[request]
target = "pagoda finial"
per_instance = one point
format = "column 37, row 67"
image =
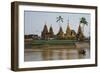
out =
column 68, row 21
column 51, row 25
column 45, row 22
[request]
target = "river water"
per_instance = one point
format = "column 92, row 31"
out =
column 44, row 54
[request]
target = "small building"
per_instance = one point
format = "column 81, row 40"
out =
column 28, row 36
column 35, row 37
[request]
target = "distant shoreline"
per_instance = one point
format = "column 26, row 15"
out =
column 55, row 44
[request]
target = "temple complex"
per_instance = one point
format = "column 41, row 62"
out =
column 68, row 35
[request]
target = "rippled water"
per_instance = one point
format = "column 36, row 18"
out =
column 42, row 54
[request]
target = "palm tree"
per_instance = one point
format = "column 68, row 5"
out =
column 83, row 22
column 59, row 19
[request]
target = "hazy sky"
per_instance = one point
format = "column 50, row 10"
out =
column 35, row 21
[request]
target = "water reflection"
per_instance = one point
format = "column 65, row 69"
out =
column 41, row 54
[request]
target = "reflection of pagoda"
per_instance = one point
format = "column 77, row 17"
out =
column 69, row 34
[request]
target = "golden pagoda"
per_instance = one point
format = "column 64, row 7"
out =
column 68, row 32
column 60, row 34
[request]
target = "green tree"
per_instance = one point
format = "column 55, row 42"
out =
column 83, row 22
column 59, row 20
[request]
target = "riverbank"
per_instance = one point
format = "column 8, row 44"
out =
column 55, row 44
column 76, row 46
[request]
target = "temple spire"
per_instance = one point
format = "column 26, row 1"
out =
column 45, row 22
column 80, row 34
column 51, row 33
column 44, row 32
column 60, row 33
column 68, row 30
column 68, row 21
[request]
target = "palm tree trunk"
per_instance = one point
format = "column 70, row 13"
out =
column 82, row 26
column 83, row 29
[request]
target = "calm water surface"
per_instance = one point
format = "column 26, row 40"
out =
column 42, row 54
